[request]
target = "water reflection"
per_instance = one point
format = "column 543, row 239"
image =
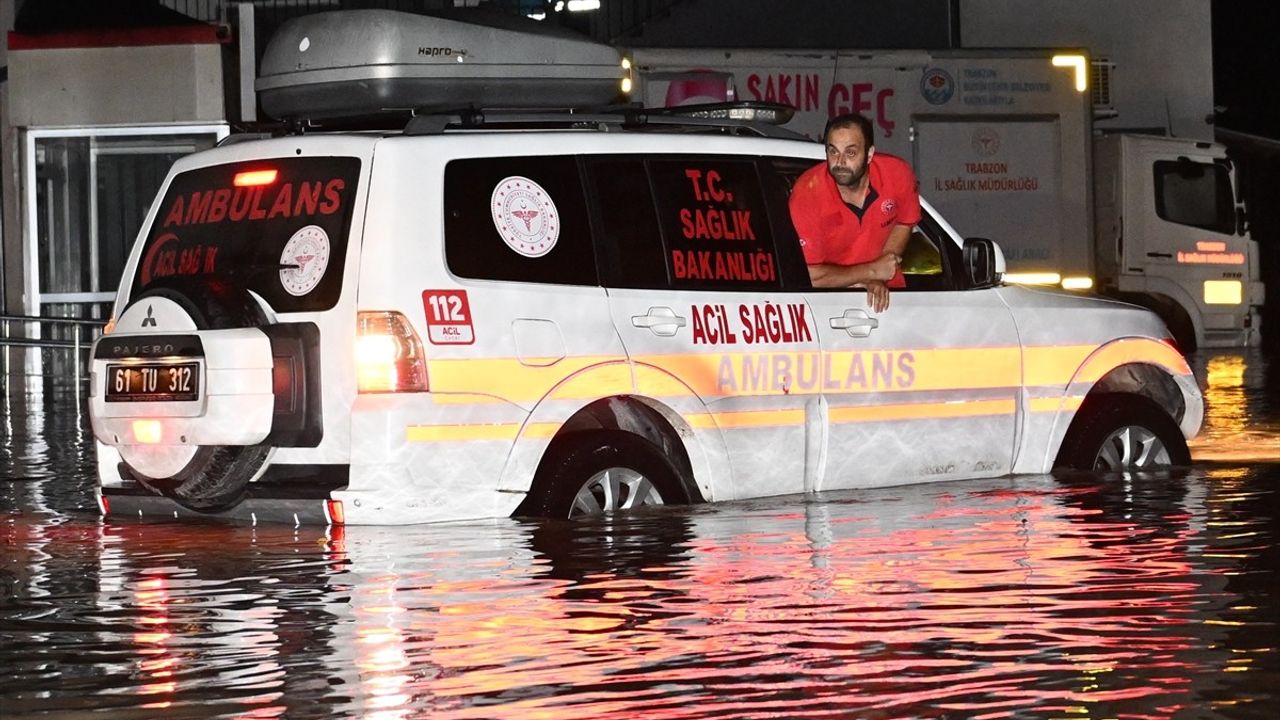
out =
column 1076, row 596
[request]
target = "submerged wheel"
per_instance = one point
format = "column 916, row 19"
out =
column 208, row 478
column 595, row 473
column 1119, row 432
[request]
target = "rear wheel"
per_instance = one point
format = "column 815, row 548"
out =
column 599, row 473
column 1119, row 432
column 216, row 477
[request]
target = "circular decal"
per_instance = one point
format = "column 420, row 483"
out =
column 525, row 216
column 888, row 206
column 986, row 141
column 937, row 86
column 304, row 260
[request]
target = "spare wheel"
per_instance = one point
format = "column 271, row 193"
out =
column 210, row 448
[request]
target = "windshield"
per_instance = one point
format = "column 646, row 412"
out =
column 277, row 227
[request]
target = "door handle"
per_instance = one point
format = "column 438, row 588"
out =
column 855, row 322
column 661, row 320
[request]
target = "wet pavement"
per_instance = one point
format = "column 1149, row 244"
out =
column 1056, row 597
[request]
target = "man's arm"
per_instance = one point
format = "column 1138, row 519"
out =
column 826, row 275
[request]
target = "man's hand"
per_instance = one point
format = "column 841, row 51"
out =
column 877, row 295
column 884, row 267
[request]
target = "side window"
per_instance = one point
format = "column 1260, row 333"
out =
column 715, row 226
column 632, row 255
column 518, row 218
column 1196, row 194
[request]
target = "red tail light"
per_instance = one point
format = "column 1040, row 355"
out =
column 250, row 178
column 104, row 505
column 333, row 508
column 389, row 355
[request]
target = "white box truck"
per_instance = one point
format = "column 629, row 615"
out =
column 1003, row 144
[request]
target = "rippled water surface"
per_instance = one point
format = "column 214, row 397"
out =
column 1079, row 597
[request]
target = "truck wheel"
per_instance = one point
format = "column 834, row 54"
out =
column 594, row 473
column 1119, row 432
column 217, row 476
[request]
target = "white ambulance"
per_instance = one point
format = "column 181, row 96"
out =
column 486, row 314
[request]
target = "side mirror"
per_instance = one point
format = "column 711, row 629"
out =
column 1242, row 221
column 984, row 265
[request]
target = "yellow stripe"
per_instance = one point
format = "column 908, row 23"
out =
column 922, row 411
column 719, row 374
column 448, row 433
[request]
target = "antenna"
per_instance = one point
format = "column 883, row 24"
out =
column 1168, row 118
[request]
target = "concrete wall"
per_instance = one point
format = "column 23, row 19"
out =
column 116, row 85
column 1162, row 49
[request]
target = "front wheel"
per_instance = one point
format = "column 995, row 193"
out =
column 1118, row 432
column 599, row 473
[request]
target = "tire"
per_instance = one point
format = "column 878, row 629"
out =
column 599, row 472
column 1121, row 432
column 217, row 477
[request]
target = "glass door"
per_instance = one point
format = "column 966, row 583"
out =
column 87, row 193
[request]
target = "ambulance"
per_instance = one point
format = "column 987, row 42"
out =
column 553, row 312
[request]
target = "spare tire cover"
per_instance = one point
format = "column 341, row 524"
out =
column 202, row 478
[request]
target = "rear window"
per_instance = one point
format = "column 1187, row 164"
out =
column 277, row 227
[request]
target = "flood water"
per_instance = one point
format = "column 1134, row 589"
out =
column 1077, row 597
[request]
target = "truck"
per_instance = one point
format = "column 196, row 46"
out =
column 1004, row 145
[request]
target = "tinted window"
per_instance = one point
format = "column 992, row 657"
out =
column 630, row 241
column 517, row 218
column 278, row 227
column 714, row 223
column 1196, row 194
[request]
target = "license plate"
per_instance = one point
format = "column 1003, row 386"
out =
column 155, row 382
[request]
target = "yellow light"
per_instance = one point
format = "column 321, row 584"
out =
column 1223, row 292
column 626, row 86
column 1077, row 283
column 146, row 432
column 626, row 63
column 1033, row 278
column 1081, row 66
column 376, row 363
column 110, row 326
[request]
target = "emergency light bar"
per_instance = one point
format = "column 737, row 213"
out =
column 744, row 111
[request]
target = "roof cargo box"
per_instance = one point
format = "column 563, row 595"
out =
column 366, row 62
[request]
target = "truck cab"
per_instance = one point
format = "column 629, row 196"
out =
column 1170, row 235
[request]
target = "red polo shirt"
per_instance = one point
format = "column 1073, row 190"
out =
column 830, row 232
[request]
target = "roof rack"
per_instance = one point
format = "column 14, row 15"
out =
column 748, row 117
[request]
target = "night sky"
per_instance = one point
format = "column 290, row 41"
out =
column 1246, row 65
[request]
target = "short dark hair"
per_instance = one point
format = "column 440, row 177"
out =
column 848, row 120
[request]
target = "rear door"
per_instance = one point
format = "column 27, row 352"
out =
column 712, row 314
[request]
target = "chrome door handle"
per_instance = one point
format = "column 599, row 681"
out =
column 661, row 320
column 856, row 322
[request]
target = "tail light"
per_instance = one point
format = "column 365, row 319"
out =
column 389, row 355
column 334, row 513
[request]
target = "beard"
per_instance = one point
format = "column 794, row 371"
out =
column 847, row 176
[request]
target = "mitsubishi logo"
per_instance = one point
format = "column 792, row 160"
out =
column 148, row 321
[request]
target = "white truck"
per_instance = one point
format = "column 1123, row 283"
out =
column 1003, row 144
